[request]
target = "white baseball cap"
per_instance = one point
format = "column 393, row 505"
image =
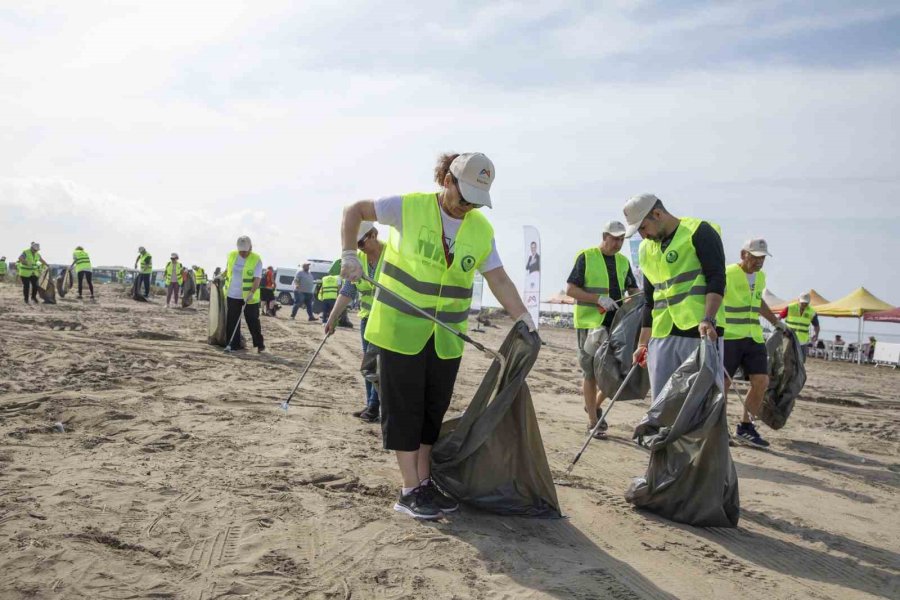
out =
column 636, row 210
column 757, row 247
column 35, row 246
column 614, row 228
column 804, row 298
column 174, row 255
column 475, row 173
column 244, row 244
column 364, row 228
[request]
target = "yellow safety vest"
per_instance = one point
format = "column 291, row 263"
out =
column 200, row 276
column 248, row 274
column 800, row 322
column 179, row 277
column 82, row 261
column 596, row 281
column 145, row 263
column 329, row 288
column 4, row 269
column 32, row 264
column 679, row 296
column 742, row 306
column 415, row 268
column 367, row 290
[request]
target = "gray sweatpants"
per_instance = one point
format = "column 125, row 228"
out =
column 664, row 355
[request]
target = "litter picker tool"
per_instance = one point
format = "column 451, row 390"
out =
column 740, row 397
column 233, row 333
column 286, row 403
column 602, row 418
column 495, row 355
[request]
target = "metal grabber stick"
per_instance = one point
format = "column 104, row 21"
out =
column 236, row 327
column 284, row 405
column 602, row 418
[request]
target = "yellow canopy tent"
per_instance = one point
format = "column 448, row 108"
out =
column 854, row 305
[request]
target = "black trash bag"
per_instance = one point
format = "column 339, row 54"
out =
column 203, row 292
column 787, row 376
column 47, row 286
column 369, row 368
column 217, row 315
column 613, row 359
column 492, row 457
column 691, row 477
column 188, row 288
column 137, row 289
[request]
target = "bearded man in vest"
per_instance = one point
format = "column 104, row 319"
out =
column 369, row 251
column 241, row 278
column 144, row 264
column 745, row 346
column 81, row 262
column 438, row 242
column 683, row 265
column 29, row 267
column 799, row 316
column 600, row 276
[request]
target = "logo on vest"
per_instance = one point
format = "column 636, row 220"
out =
column 467, row 263
column 671, row 256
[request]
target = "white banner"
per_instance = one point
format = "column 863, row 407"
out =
column 635, row 243
column 477, row 291
column 531, row 295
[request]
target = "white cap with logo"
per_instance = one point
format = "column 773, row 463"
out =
column 804, row 298
column 614, row 228
column 244, row 244
column 757, row 247
column 364, row 228
column 475, row 173
column 636, row 210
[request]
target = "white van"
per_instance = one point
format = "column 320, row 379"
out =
column 284, row 279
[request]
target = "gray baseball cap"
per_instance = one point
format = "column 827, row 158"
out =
column 475, row 173
column 614, row 228
column 636, row 210
column 757, row 247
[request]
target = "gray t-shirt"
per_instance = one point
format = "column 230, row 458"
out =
column 389, row 211
column 304, row 282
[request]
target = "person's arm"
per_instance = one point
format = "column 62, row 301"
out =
column 783, row 313
column 767, row 313
column 253, row 289
column 22, row 258
column 631, row 285
column 711, row 253
column 575, row 283
column 505, row 292
column 340, row 305
column 816, row 330
column 356, row 213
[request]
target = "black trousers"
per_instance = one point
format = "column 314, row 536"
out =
column 251, row 316
column 30, row 283
column 145, row 281
column 415, row 394
column 82, row 275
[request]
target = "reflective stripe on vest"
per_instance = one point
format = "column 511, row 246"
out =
column 4, row 269
column 247, row 275
column 800, row 322
column 179, row 277
column 415, row 268
column 742, row 307
column 679, row 297
column 200, row 276
column 365, row 289
column 82, row 261
column 329, row 290
column 32, row 263
column 596, row 281
column 145, row 263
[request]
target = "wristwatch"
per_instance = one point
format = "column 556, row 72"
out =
column 710, row 320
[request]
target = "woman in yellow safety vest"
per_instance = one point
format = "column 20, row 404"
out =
column 30, row 265
column 82, row 264
column 438, row 242
column 174, row 278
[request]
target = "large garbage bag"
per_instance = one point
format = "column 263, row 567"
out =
column 47, row 286
column 492, row 456
column 217, row 333
column 137, row 292
column 613, row 357
column 691, row 477
column 787, row 376
column 188, row 289
column 203, row 292
column 64, row 282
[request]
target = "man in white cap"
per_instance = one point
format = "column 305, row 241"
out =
column 304, row 290
column 29, row 267
column 242, row 276
column 597, row 282
column 799, row 316
column 144, row 264
column 745, row 346
column 174, row 279
column 370, row 250
column 683, row 264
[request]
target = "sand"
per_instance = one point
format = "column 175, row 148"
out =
column 177, row 476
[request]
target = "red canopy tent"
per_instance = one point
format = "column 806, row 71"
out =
column 887, row 316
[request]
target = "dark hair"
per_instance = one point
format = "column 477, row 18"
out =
column 443, row 167
column 659, row 206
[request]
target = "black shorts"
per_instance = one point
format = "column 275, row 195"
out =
column 415, row 394
column 746, row 353
column 266, row 294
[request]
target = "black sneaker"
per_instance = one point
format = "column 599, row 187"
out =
column 603, row 426
column 441, row 500
column 370, row 415
column 419, row 505
column 261, row 349
column 746, row 433
column 359, row 413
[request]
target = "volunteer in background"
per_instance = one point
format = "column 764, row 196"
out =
column 267, row 292
column 304, row 289
column 799, row 316
column 4, row 268
column 328, row 293
column 438, row 242
column 81, row 262
column 145, row 263
column 242, row 276
column 596, row 282
column 200, row 280
column 174, row 278
column 29, row 267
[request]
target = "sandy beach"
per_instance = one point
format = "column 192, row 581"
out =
column 136, row 461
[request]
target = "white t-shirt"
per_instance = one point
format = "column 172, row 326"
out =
column 751, row 281
column 389, row 211
column 235, row 284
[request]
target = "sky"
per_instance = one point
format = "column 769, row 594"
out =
column 182, row 125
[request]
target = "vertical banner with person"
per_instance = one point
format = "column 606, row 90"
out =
column 531, row 294
column 634, row 245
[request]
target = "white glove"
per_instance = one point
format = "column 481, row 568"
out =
column 351, row 268
column 525, row 317
column 606, row 303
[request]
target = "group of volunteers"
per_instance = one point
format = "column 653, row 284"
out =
column 31, row 264
column 690, row 293
column 175, row 273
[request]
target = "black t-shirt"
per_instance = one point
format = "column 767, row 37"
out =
column 708, row 244
column 577, row 278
